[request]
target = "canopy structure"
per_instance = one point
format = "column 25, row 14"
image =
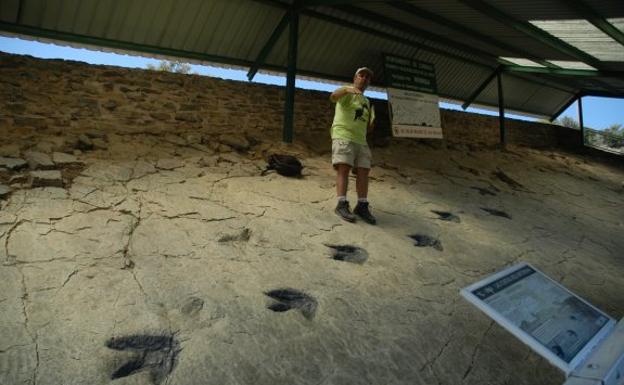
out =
column 547, row 53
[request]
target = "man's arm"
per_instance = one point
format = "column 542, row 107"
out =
column 342, row 91
column 371, row 120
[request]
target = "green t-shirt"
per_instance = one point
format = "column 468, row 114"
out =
column 351, row 118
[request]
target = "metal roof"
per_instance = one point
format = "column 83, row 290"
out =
column 465, row 39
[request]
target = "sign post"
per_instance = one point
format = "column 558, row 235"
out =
column 412, row 98
column 573, row 335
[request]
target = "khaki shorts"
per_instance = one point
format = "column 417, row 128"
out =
column 353, row 154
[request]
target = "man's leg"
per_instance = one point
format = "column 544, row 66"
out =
column 342, row 181
column 361, row 182
column 361, row 185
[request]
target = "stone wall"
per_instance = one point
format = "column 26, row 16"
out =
column 57, row 96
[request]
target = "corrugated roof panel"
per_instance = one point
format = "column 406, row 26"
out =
column 555, row 10
column 81, row 12
column 152, row 18
column 49, row 17
column 191, row 27
column 522, row 62
column 574, row 65
column 617, row 22
column 479, row 22
column 9, row 10
column 535, row 9
column 546, row 99
column 401, row 33
column 261, row 28
column 584, row 36
column 445, row 32
column 171, row 31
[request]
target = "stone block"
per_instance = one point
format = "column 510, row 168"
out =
column 100, row 144
column 188, row 117
column 10, row 150
column 61, row 158
column 39, row 160
column 13, row 163
column 4, row 190
column 36, row 122
column 84, row 143
column 160, row 116
column 237, row 142
column 51, row 178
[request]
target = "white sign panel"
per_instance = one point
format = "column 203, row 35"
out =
column 414, row 114
column 553, row 321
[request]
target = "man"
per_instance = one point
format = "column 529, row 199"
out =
column 353, row 119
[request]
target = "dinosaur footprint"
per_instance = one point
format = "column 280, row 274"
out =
column 496, row 212
column 156, row 353
column 426, row 241
column 446, row 216
column 348, row 253
column 288, row 299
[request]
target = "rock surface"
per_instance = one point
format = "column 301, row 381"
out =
column 175, row 253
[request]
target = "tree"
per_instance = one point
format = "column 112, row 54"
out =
column 615, row 135
column 176, row 66
column 567, row 121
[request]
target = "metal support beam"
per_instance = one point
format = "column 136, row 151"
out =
column 565, row 72
column 117, row 44
column 268, row 46
column 289, row 108
column 480, row 89
column 587, row 12
column 564, row 107
column 559, row 85
column 20, row 12
column 424, row 14
column 532, row 31
column 580, row 118
column 501, row 109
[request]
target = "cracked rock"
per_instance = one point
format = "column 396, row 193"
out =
column 169, row 164
column 51, row 178
column 242, row 235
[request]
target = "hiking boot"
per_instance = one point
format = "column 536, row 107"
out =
column 343, row 211
column 361, row 210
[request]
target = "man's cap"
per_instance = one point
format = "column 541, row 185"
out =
column 365, row 69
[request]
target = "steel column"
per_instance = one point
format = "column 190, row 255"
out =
column 501, row 109
column 291, row 72
column 580, row 117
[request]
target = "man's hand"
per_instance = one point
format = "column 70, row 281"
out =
column 339, row 93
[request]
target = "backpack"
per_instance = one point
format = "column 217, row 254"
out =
column 286, row 165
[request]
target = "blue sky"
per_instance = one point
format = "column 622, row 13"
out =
column 598, row 113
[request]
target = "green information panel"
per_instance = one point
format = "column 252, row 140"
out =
column 409, row 74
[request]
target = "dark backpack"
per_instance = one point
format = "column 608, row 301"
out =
column 286, row 165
